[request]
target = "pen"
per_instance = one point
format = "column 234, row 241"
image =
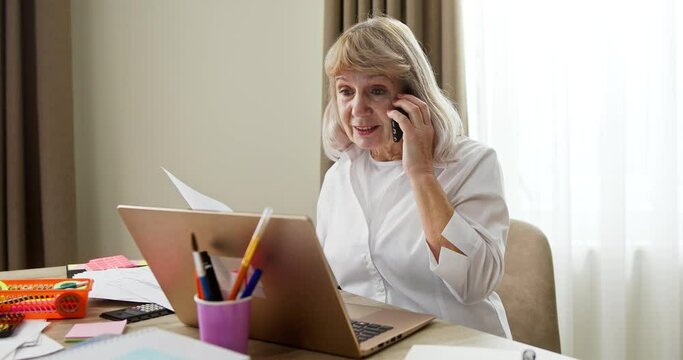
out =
column 199, row 270
column 198, row 285
column 251, row 248
column 214, row 289
column 71, row 285
column 251, row 285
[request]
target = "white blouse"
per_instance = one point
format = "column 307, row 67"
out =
column 370, row 230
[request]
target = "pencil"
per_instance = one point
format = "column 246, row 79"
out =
column 251, row 248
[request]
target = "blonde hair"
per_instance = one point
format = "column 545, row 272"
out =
column 385, row 46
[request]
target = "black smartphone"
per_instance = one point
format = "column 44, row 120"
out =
column 396, row 132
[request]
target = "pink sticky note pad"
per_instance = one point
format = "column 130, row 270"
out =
column 88, row 330
column 110, row 262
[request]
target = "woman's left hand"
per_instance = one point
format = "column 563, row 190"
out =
column 418, row 135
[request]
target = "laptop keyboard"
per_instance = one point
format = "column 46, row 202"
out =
column 365, row 331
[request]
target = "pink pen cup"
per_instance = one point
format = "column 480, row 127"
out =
column 224, row 323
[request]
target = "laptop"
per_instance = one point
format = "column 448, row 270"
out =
column 298, row 304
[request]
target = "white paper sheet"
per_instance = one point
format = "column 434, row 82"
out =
column 437, row 352
column 194, row 198
column 133, row 284
column 45, row 346
column 8, row 346
column 29, row 331
column 27, row 339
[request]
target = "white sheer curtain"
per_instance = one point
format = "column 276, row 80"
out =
column 583, row 102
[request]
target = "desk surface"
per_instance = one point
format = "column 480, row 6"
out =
column 437, row 333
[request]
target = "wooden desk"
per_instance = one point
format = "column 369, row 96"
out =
column 437, row 333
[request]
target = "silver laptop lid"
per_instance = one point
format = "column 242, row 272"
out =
column 301, row 306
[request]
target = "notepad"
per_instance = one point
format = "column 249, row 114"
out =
column 80, row 332
column 110, row 262
column 149, row 343
column 73, row 269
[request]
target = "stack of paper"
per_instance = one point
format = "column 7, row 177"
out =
column 134, row 284
column 28, row 342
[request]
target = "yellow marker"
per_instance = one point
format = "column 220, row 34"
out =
column 3, row 286
column 251, row 248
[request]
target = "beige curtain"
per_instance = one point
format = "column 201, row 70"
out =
column 435, row 24
column 37, row 191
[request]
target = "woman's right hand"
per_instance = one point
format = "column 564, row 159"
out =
column 418, row 135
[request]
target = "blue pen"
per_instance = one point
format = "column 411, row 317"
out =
column 210, row 275
column 201, row 274
column 251, row 285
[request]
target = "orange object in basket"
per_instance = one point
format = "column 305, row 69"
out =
column 37, row 298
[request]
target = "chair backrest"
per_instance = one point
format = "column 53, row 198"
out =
column 528, row 287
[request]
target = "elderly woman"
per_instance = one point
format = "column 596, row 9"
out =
column 420, row 223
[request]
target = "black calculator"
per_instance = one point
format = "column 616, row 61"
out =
column 137, row 313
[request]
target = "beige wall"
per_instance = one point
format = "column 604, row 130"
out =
column 225, row 94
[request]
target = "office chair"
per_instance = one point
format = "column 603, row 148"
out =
column 528, row 287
